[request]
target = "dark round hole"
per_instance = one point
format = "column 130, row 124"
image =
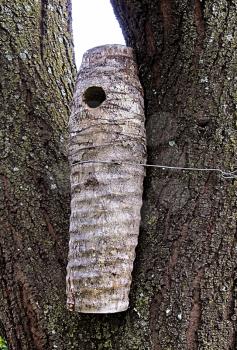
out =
column 94, row 96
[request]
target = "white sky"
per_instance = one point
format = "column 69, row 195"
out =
column 94, row 24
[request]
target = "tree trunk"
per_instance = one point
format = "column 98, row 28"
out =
column 37, row 75
column 185, row 277
column 184, row 282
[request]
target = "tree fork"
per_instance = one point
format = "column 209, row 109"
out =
column 184, row 283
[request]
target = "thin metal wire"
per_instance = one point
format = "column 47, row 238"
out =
column 224, row 174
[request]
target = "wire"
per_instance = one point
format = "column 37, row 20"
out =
column 224, row 174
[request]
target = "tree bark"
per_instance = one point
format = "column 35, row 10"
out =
column 37, row 76
column 184, row 282
column 185, row 277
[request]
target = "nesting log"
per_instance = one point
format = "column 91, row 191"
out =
column 107, row 125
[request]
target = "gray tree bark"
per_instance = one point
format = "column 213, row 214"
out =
column 37, row 76
column 186, row 262
column 184, row 281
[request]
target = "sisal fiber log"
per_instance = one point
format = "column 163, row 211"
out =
column 107, row 125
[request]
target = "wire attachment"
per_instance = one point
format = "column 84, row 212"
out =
column 229, row 175
column 224, row 174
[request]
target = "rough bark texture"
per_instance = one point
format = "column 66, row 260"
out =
column 106, row 199
column 184, row 282
column 36, row 80
column 185, row 276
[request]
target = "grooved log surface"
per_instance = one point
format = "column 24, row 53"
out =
column 106, row 198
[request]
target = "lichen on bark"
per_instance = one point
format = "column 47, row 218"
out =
column 184, row 281
column 37, row 76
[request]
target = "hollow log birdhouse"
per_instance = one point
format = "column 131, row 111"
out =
column 107, row 144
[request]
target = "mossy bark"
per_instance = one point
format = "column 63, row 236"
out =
column 37, row 77
column 184, row 282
